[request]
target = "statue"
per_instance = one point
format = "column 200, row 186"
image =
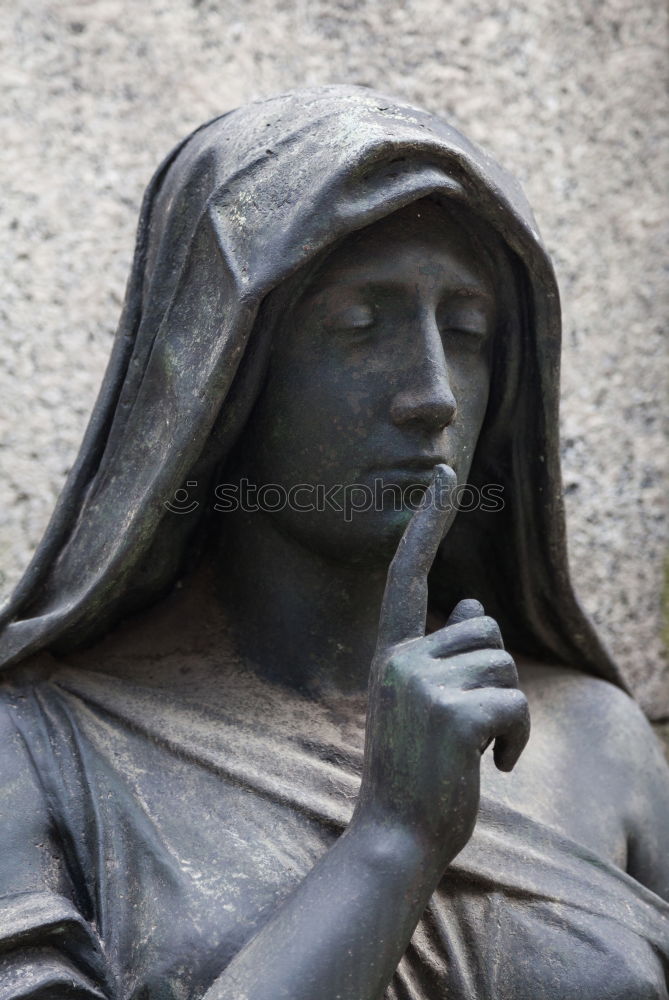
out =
column 253, row 671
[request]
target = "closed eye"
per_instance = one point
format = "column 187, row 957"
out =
column 355, row 317
column 465, row 318
column 465, row 331
column 466, row 339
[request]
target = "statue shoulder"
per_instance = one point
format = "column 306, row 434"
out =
column 605, row 730
column 596, row 717
column 561, row 688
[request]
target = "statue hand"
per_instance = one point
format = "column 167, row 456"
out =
column 436, row 701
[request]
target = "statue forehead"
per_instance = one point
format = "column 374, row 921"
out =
column 421, row 234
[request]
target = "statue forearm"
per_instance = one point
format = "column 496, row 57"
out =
column 342, row 932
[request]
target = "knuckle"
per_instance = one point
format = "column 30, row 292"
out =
column 490, row 631
column 396, row 673
column 489, row 668
column 518, row 699
column 400, row 662
column 482, row 631
column 503, row 669
column 519, row 706
column 420, row 687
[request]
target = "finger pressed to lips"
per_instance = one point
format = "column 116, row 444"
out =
column 405, row 600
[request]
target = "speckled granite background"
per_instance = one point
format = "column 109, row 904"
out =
column 568, row 94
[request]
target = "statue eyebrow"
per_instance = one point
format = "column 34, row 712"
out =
column 356, row 283
column 472, row 292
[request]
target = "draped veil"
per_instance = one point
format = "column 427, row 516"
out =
column 233, row 214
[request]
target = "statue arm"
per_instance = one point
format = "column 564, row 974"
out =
column 342, row 933
column 436, row 702
column 47, row 948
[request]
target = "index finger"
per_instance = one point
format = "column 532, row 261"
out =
column 404, row 604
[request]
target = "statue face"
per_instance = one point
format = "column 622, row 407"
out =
column 380, row 371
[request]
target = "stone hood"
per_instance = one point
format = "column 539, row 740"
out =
column 235, row 212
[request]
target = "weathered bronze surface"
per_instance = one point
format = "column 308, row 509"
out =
column 249, row 679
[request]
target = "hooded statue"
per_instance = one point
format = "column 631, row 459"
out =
column 184, row 373
column 231, row 223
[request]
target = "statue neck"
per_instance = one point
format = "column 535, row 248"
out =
column 301, row 618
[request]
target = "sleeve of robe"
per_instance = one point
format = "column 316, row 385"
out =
column 48, row 949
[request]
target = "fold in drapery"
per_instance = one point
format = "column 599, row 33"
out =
column 47, row 949
column 147, row 784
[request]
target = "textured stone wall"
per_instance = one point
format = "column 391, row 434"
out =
column 568, row 94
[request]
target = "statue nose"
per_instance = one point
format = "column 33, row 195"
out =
column 426, row 399
column 429, row 401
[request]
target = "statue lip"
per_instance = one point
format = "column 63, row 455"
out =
column 421, row 467
column 422, row 462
